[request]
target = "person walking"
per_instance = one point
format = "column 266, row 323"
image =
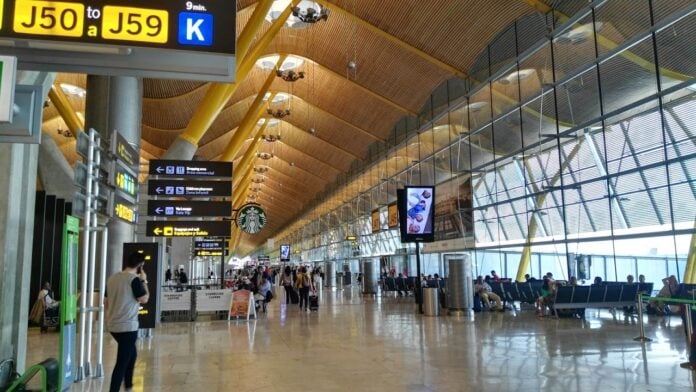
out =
column 286, row 282
column 125, row 292
column 304, row 283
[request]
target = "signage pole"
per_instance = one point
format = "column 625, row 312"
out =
column 102, row 288
column 92, row 267
column 85, row 256
column 419, row 288
column 222, row 265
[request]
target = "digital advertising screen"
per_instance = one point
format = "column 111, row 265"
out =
column 285, row 252
column 416, row 209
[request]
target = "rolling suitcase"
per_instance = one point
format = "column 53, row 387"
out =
column 313, row 303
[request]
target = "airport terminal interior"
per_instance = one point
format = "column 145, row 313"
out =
column 462, row 195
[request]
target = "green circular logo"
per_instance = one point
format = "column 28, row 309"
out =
column 251, row 218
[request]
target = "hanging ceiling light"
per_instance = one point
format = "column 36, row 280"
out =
column 261, row 169
column 305, row 13
column 278, row 113
column 270, row 138
column 290, row 75
column 258, row 180
column 264, row 155
column 310, row 12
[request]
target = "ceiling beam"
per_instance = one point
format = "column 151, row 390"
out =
column 339, row 119
column 305, row 197
column 288, row 180
column 330, row 166
column 267, row 190
column 322, row 179
column 333, row 8
column 268, row 204
column 296, row 128
column 359, row 86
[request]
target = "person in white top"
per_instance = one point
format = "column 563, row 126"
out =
column 45, row 296
column 486, row 294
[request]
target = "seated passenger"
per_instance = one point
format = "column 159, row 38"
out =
column 486, row 294
column 630, row 279
column 669, row 288
column 597, row 280
column 641, row 278
column 495, row 276
column 548, row 292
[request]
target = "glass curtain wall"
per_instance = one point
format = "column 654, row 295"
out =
column 574, row 145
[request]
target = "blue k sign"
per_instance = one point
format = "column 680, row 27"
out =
column 195, row 29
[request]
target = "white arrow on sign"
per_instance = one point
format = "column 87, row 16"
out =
column 157, row 231
column 159, row 169
column 158, row 210
column 159, row 190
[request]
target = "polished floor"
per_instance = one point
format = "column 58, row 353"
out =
column 356, row 343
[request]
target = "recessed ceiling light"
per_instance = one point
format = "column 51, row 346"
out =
column 579, row 34
column 269, row 62
column 278, row 98
column 517, row 75
column 73, row 90
column 476, row 106
column 272, row 122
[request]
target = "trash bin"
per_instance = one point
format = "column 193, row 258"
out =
column 431, row 302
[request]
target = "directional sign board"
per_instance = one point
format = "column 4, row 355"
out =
column 212, row 253
column 208, row 244
column 188, row 228
column 169, row 208
column 125, row 182
column 205, row 25
column 173, row 188
column 123, row 150
column 124, row 210
column 169, row 168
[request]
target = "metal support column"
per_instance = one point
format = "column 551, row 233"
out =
column 601, row 167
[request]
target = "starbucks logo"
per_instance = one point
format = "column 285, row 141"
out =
column 251, row 218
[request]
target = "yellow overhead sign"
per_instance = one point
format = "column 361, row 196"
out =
column 135, row 24
column 49, row 18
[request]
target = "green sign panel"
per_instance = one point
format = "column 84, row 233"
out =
column 68, row 305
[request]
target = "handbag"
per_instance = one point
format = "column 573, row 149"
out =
column 37, row 312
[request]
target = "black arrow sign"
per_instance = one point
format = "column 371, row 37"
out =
column 170, row 168
column 174, row 188
column 188, row 228
column 189, row 208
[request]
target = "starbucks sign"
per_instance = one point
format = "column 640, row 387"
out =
column 251, row 218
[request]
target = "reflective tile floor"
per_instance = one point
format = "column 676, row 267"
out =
column 357, row 343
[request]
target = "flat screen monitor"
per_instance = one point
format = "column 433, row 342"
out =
column 416, row 213
column 285, row 252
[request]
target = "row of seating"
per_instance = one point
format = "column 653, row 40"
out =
column 599, row 296
column 408, row 283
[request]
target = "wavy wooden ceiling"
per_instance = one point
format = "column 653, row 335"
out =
column 347, row 118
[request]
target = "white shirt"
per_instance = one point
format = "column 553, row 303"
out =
column 45, row 295
column 482, row 287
